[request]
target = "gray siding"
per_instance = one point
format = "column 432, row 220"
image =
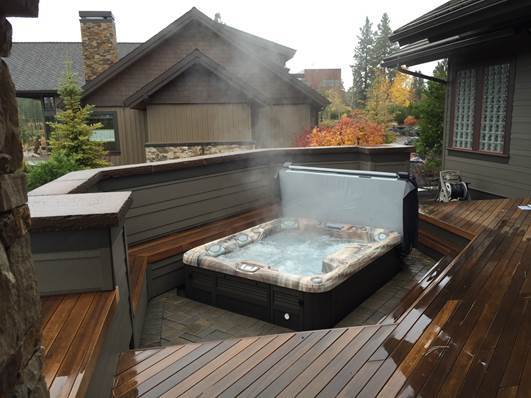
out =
column 179, row 204
column 132, row 133
column 504, row 177
column 171, row 201
column 70, row 261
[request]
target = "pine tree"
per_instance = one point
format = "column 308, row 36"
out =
column 363, row 67
column 71, row 131
column 383, row 46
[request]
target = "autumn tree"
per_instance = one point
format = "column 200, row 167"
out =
column 400, row 90
column 356, row 129
column 379, row 99
column 338, row 106
column 363, row 67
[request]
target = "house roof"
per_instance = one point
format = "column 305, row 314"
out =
column 456, row 25
column 226, row 32
column 196, row 57
column 37, row 67
column 447, row 16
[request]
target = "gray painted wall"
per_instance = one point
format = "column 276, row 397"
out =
column 166, row 202
column 503, row 177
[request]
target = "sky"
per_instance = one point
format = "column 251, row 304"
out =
column 323, row 32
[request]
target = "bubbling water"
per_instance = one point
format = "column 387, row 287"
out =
column 293, row 252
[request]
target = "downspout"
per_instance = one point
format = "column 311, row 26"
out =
column 421, row 75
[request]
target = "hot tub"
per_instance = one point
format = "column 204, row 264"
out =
column 295, row 272
column 341, row 238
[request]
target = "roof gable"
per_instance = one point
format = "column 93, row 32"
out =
column 194, row 14
column 196, row 57
column 167, row 48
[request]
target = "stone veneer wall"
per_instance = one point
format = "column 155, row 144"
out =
column 98, row 40
column 20, row 347
column 157, row 152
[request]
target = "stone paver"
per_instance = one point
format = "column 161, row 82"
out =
column 172, row 319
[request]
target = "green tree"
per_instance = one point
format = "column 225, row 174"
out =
column 417, row 88
column 71, row 146
column 363, row 66
column 383, row 46
column 71, row 132
column 430, row 112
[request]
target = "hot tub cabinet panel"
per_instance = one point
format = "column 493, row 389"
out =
column 286, row 307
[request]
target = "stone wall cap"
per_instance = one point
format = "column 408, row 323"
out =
column 78, row 211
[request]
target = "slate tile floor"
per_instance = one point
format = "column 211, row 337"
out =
column 172, row 319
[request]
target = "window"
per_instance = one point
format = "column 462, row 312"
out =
column 481, row 106
column 108, row 133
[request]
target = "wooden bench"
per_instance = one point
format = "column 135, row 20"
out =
column 73, row 331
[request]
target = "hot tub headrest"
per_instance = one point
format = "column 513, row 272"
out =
column 375, row 199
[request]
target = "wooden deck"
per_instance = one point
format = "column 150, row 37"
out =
column 466, row 331
column 72, row 328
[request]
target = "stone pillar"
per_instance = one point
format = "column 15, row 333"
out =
column 20, row 345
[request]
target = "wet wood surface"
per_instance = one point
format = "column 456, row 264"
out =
column 73, row 329
column 463, row 331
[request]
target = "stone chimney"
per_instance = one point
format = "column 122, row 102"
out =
column 98, row 39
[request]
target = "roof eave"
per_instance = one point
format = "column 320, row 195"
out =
column 427, row 52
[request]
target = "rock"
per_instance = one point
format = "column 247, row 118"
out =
column 14, row 225
column 12, row 191
column 10, row 146
column 168, row 152
column 19, row 317
column 6, row 37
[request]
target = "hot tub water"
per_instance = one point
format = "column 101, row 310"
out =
column 292, row 251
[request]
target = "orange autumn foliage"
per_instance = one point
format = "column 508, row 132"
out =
column 354, row 130
column 410, row 121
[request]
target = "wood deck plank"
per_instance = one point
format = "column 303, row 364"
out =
column 259, row 384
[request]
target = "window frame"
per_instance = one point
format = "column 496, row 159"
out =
column 480, row 67
column 115, row 150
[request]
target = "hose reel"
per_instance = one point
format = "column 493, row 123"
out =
column 452, row 187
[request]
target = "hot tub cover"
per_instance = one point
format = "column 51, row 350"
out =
column 367, row 244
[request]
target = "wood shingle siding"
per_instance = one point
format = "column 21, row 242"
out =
column 198, row 86
column 198, row 123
